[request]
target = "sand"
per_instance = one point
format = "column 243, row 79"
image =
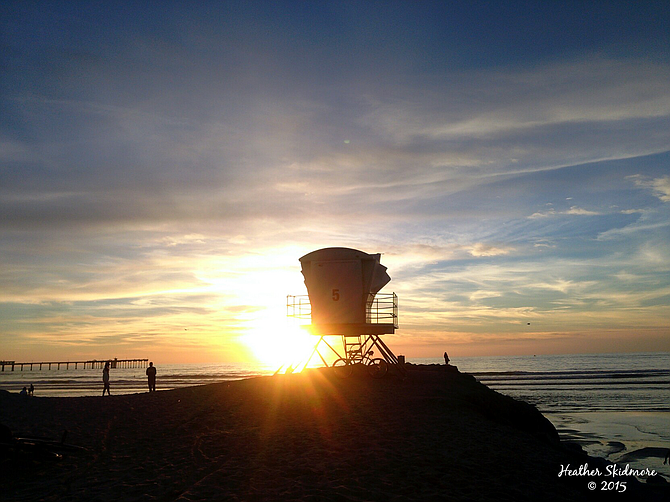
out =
column 434, row 435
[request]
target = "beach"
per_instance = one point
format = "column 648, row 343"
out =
column 435, row 434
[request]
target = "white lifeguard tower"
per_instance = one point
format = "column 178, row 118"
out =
column 343, row 300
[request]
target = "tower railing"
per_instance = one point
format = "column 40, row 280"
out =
column 381, row 309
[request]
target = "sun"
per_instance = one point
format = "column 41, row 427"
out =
column 283, row 343
column 260, row 282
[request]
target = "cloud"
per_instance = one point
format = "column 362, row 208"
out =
column 580, row 211
column 543, row 214
column 259, row 152
column 574, row 210
column 480, row 249
column 660, row 187
column 479, row 295
column 541, row 103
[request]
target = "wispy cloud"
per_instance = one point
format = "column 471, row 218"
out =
column 660, row 187
column 574, row 210
column 480, row 249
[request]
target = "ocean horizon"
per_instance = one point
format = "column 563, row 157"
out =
column 566, row 382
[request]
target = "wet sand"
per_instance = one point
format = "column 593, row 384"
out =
column 641, row 439
column 435, row 434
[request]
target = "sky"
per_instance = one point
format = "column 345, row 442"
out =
column 164, row 165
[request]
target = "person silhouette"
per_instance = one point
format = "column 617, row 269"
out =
column 23, row 392
column 31, row 390
column 105, row 379
column 446, row 358
column 151, row 376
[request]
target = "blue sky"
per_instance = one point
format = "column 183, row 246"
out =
column 164, row 165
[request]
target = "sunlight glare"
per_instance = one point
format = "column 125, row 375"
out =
column 280, row 344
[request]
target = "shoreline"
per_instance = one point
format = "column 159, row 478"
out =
column 298, row 437
column 619, row 437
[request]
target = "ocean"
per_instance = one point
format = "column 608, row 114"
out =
column 616, row 406
column 88, row 382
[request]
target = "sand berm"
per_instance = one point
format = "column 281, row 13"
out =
column 436, row 434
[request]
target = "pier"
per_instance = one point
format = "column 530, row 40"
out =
column 92, row 364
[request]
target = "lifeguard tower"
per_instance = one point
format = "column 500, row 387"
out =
column 344, row 301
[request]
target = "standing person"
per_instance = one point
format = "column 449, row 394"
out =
column 31, row 390
column 446, row 358
column 105, row 379
column 151, row 375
